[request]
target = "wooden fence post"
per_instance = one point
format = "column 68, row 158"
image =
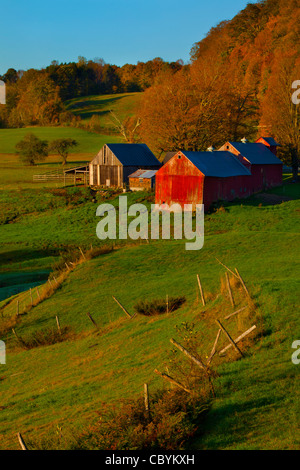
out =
column 243, row 284
column 201, row 290
column 92, row 320
column 229, row 337
column 21, row 441
column 170, row 379
column 58, row 325
column 229, row 288
column 226, row 267
column 82, row 253
column 234, row 313
column 146, row 399
column 38, row 292
column 188, row 354
column 121, row 306
column 31, row 297
column 213, row 351
column 242, row 336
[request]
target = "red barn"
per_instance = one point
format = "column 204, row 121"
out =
column 201, row 178
column 260, row 158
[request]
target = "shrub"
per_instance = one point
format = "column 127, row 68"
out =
column 174, row 418
column 45, row 337
column 158, row 306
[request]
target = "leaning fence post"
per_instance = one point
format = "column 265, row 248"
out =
column 201, row 290
column 146, row 400
column 58, row 325
column 243, row 284
column 229, row 337
column 121, row 306
column 237, row 340
column 92, row 320
column 82, row 253
column 229, row 288
column 21, row 441
column 170, row 379
column 214, row 349
column 38, row 292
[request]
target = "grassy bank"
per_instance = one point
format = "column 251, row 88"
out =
column 58, row 388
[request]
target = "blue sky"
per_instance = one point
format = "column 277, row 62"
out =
column 35, row 32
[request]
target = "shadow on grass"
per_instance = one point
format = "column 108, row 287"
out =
column 288, row 191
column 19, row 256
column 78, row 108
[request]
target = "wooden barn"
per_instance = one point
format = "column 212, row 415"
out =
column 142, row 180
column 260, row 158
column 115, row 162
column 201, row 178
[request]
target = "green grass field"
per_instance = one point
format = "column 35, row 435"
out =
column 89, row 143
column 14, row 175
column 52, row 393
column 57, row 389
column 122, row 104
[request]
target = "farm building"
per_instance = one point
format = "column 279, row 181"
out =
column 115, row 162
column 142, row 180
column 260, row 158
column 201, row 178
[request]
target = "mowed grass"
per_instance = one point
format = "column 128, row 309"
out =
column 88, row 143
column 63, row 385
column 122, row 104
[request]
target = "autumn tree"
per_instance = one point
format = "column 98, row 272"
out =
column 62, row 147
column 31, row 149
column 128, row 128
column 280, row 117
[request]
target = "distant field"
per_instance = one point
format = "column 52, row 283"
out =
column 89, row 143
column 123, row 105
column 15, row 175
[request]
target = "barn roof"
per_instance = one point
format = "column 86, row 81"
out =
column 256, row 154
column 272, row 142
column 143, row 174
column 134, row 154
column 218, row 163
column 168, row 156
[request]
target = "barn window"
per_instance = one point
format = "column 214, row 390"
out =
column 179, row 156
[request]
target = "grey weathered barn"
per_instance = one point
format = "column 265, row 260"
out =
column 115, row 162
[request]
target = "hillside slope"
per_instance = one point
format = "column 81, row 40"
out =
column 61, row 386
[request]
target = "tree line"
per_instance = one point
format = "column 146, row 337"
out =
column 36, row 97
column 239, row 84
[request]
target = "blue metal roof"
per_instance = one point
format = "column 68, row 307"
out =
column 270, row 141
column 220, row 164
column 134, row 154
column 256, row 154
